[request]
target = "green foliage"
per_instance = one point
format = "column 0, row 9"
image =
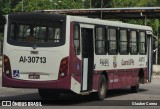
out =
column 124, row 3
column 32, row 5
column 104, row 4
column 9, row 6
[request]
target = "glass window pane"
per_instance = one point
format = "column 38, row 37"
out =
column 142, row 44
column 123, row 41
column 133, row 42
column 48, row 33
column 133, row 37
column 100, row 33
column 76, row 39
column 100, row 40
column 76, row 31
column 112, row 34
column 142, row 37
column 57, row 35
column 123, row 35
column 112, row 40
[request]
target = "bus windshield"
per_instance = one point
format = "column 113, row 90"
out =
column 41, row 33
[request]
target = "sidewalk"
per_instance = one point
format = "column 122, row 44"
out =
column 156, row 76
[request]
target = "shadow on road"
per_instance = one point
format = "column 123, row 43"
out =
column 68, row 99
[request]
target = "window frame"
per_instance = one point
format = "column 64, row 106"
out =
column 23, row 20
column 127, row 31
column 142, row 42
column 117, row 38
column 105, row 36
column 77, row 24
column 133, row 42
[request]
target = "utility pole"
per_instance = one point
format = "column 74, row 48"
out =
column 157, row 39
column 22, row 6
column 83, row 2
column 90, row 3
column 101, row 9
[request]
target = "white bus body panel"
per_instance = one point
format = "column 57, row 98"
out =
column 48, row 70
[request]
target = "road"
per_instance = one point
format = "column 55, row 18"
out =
column 120, row 97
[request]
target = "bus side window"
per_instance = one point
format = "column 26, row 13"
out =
column 112, row 39
column 142, row 43
column 123, row 42
column 101, row 41
column 133, row 42
column 76, row 39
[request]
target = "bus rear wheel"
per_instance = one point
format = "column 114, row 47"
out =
column 48, row 93
column 135, row 88
column 102, row 88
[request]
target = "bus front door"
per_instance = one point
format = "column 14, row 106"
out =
column 87, row 59
column 149, row 55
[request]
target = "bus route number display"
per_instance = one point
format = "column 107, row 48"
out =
column 34, row 59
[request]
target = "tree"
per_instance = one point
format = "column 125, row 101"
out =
column 32, row 5
column 104, row 3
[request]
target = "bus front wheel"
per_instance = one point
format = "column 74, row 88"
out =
column 48, row 93
column 102, row 88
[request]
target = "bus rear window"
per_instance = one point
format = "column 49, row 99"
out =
column 40, row 33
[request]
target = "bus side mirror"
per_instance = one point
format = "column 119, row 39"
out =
column 155, row 44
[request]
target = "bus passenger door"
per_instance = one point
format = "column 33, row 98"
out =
column 149, row 55
column 87, row 58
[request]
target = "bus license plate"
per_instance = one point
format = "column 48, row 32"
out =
column 34, row 76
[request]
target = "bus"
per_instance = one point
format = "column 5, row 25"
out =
column 57, row 53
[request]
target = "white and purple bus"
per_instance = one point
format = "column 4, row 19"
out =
column 57, row 53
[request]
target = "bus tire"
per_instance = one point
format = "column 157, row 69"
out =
column 102, row 88
column 48, row 93
column 135, row 88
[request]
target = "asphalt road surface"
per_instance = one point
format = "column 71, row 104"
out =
column 121, row 98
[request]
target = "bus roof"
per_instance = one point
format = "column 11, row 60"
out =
column 109, row 23
column 45, row 15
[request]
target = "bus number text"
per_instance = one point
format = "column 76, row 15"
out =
column 33, row 59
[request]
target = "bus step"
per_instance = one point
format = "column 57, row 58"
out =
column 85, row 93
